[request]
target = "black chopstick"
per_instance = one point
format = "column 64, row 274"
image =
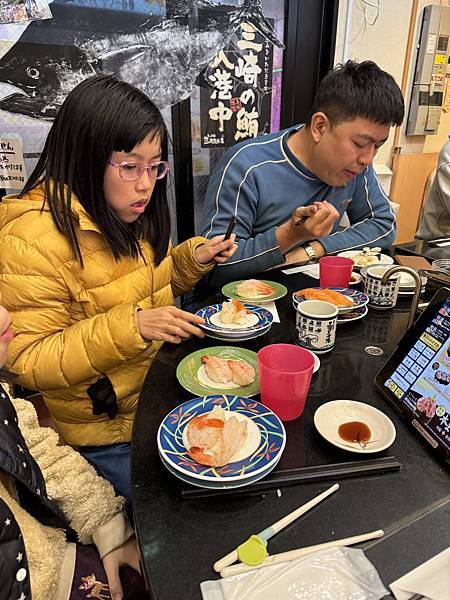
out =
column 281, row 478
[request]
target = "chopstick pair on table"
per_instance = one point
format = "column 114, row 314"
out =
column 343, row 203
column 253, row 554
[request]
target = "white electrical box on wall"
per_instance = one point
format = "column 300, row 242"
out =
column 427, row 95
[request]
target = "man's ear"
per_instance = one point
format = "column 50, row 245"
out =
column 320, row 123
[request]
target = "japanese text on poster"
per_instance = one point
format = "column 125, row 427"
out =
column 12, row 166
column 237, row 104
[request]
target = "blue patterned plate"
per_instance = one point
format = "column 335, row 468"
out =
column 240, row 338
column 266, row 454
column 353, row 315
column 261, row 318
column 218, row 484
column 359, row 298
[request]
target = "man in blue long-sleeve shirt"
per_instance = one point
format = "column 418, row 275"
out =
column 289, row 189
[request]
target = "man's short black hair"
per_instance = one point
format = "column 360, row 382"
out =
column 363, row 90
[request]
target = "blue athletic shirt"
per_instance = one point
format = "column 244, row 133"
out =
column 262, row 183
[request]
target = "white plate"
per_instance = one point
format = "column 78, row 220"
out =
column 245, row 336
column 383, row 259
column 406, row 288
column 263, row 317
column 355, row 315
column 407, row 280
column 407, row 292
column 215, row 485
column 357, row 278
column 408, row 283
column 331, row 415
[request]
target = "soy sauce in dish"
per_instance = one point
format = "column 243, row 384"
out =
column 356, row 432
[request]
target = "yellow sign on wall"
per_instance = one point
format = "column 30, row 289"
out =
column 440, row 59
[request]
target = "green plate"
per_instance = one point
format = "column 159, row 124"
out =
column 229, row 290
column 190, row 372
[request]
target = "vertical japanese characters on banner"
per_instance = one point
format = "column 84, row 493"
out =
column 237, row 105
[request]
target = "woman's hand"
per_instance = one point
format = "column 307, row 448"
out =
column 216, row 249
column 168, row 324
column 126, row 554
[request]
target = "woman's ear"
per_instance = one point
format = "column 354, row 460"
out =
column 320, row 124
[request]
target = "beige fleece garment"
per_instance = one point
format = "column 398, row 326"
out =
column 88, row 501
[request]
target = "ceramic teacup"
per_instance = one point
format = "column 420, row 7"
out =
column 381, row 297
column 316, row 325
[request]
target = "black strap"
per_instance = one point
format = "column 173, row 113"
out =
column 103, row 396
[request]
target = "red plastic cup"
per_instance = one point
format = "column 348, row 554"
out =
column 285, row 373
column 335, row 271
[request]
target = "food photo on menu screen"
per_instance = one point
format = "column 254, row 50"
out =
column 422, row 380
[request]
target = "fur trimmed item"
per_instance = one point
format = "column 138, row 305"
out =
column 86, row 501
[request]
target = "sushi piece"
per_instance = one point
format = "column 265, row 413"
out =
column 233, row 312
column 205, row 430
column 327, row 295
column 241, row 372
column 217, row 368
column 253, row 288
column 368, row 256
column 213, row 440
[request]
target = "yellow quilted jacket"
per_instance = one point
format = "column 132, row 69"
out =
column 73, row 325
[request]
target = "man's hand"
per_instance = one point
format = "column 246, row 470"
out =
column 307, row 223
column 126, row 554
column 318, row 224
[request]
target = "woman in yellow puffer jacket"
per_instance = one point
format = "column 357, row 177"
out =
column 88, row 272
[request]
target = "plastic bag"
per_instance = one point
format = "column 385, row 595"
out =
column 333, row 574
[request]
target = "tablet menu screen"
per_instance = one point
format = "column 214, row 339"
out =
column 422, row 379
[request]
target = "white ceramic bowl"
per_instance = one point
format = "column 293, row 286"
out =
column 329, row 417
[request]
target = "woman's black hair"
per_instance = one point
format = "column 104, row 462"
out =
column 99, row 116
column 362, row 90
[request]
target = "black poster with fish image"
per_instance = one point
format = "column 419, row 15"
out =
column 236, row 105
column 163, row 48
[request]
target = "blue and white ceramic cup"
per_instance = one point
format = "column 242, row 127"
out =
column 316, row 322
column 381, row 297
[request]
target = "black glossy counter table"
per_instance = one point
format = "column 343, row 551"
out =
column 181, row 538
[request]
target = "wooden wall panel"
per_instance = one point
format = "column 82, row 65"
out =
column 410, row 174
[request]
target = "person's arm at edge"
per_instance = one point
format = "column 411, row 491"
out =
column 187, row 271
column 97, row 516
